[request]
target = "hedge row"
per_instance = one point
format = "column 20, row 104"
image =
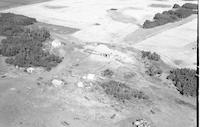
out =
column 178, row 12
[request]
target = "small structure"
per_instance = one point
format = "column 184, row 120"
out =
column 30, row 70
column 141, row 123
column 80, row 84
column 56, row 43
column 57, row 83
column 90, row 76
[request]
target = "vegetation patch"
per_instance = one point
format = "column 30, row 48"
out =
column 190, row 6
column 107, row 73
column 129, row 75
column 150, row 56
column 185, row 81
column 24, row 46
column 160, row 5
column 178, row 12
column 113, row 9
column 153, row 70
column 121, row 91
column 176, row 6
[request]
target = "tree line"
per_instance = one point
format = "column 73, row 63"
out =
column 178, row 12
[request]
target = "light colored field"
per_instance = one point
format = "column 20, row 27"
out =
column 85, row 14
column 172, row 45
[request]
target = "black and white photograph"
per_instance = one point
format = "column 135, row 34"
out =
column 99, row 63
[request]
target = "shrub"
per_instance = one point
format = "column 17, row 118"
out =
column 176, row 6
column 121, row 91
column 185, row 81
column 153, row 70
column 150, row 56
column 107, row 73
column 149, row 24
column 140, row 95
column 10, row 60
column 10, row 30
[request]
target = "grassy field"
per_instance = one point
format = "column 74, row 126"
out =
column 4, row 4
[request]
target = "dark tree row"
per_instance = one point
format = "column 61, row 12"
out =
column 185, row 81
column 178, row 12
column 24, row 45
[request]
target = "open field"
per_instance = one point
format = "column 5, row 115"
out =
column 174, row 47
column 94, row 36
column 24, row 102
column 4, row 4
column 85, row 14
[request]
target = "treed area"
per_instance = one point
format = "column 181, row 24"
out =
column 185, row 81
column 150, row 56
column 152, row 69
column 24, row 45
column 178, row 12
column 121, row 91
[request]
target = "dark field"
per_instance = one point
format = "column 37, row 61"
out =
column 4, row 4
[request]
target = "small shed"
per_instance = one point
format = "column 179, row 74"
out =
column 56, row 43
column 30, row 70
column 57, row 82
